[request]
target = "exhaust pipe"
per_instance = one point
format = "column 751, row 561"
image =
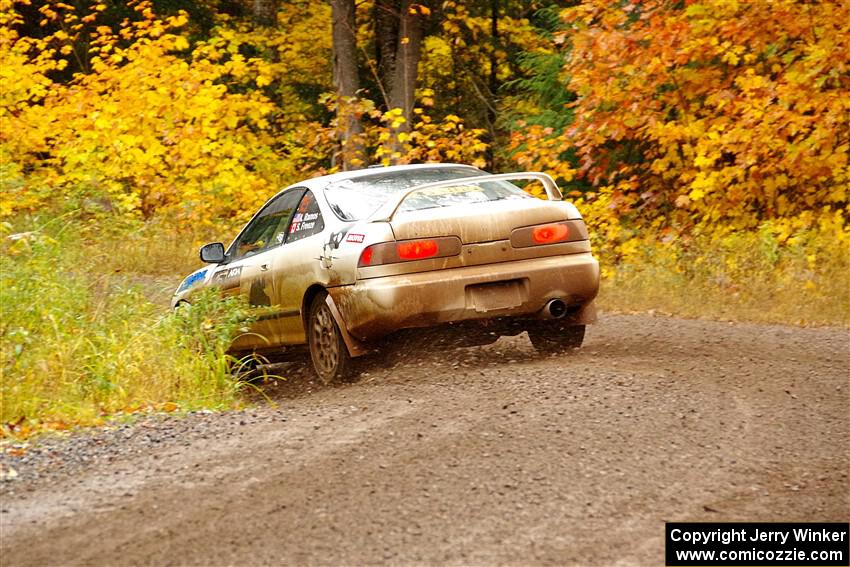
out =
column 554, row 309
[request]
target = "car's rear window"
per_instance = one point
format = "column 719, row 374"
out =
column 355, row 199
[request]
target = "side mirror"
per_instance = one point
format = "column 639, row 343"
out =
column 212, row 253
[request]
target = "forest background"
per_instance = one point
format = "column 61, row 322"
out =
column 706, row 143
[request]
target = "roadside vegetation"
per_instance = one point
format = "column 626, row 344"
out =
column 705, row 142
column 86, row 335
column 742, row 276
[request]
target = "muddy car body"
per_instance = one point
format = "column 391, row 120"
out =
column 341, row 261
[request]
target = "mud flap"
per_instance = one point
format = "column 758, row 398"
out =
column 584, row 316
column 355, row 347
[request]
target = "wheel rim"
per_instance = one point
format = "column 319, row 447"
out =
column 323, row 341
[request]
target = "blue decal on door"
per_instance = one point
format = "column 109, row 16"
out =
column 191, row 280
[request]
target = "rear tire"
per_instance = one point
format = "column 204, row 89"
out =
column 553, row 337
column 328, row 352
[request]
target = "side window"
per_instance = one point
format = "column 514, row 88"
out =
column 268, row 229
column 307, row 220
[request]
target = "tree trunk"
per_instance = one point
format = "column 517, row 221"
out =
column 346, row 81
column 494, row 46
column 398, row 46
column 386, row 41
column 265, row 13
column 408, row 51
column 493, row 83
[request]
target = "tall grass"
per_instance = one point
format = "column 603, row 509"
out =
column 749, row 275
column 86, row 332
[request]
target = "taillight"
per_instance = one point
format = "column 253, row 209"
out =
column 417, row 249
column 549, row 233
column 366, row 257
column 409, row 250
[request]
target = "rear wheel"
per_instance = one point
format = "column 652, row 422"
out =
column 551, row 337
column 331, row 360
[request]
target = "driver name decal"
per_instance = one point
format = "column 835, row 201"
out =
column 303, row 221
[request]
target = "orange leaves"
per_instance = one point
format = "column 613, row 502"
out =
column 709, row 117
column 25, row 427
column 715, row 102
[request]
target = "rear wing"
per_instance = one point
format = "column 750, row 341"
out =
column 388, row 210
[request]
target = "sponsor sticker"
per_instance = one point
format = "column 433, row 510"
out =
column 352, row 237
column 228, row 277
column 192, row 280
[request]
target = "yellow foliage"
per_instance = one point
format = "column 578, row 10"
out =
column 383, row 140
column 146, row 129
column 160, row 125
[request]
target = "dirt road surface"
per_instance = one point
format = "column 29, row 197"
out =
column 481, row 456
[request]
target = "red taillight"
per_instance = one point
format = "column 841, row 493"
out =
column 366, row 257
column 409, row 250
column 550, row 233
column 417, row 249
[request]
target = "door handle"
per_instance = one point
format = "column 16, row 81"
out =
column 264, row 267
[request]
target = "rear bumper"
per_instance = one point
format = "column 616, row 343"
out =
column 375, row 307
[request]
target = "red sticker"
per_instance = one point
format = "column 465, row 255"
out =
column 355, row 238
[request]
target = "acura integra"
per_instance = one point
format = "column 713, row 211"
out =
column 338, row 263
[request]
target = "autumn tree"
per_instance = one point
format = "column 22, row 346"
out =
column 475, row 61
column 727, row 111
column 398, row 33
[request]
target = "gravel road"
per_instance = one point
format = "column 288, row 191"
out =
column 481, row 456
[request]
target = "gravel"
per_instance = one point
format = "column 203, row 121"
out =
column 487, row 455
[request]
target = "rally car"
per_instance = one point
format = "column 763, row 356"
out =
column 338, row 263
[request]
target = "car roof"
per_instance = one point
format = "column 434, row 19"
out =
column 324, row 180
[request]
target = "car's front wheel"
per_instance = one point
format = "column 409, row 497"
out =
column 551, row 337
column 331, row 360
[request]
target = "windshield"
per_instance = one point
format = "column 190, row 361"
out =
column 355, row 199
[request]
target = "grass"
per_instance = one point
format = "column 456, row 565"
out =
column 745, row 276
column 86, row 331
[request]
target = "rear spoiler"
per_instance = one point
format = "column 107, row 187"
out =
column 389, row 209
